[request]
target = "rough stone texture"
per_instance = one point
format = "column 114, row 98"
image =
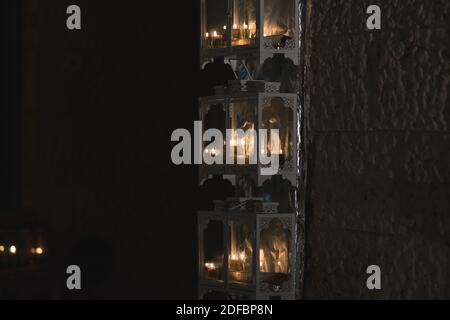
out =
column 378, row 117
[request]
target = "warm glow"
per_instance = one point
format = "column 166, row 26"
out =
column 242, row 256
column 215, row 35
column 39, row 251
column 2, row 248
column 13, row 249
column 207, row 35
column 210, row 266
column 235, row 26
column 224, row 27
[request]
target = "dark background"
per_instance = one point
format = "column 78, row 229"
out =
column 86, row 121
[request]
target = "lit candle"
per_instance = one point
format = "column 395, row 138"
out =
column 236, row 32
column 216, row 39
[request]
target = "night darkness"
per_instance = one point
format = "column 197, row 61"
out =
column 101, row 105
column 86, row 120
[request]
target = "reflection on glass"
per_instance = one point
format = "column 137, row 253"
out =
column 279, row 18
column 277, row 116
column 275, row 248
column 243, row 119
column 241, row 252
column 214, row 119
column 244, row 22
column 213, row 249
column 215, row 24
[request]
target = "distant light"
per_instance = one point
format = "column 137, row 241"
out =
column 2, row 248
column 39, row 251
column 13, row 249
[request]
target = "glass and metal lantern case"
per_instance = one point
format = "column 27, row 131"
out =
column 249, row 106
column 246, row 255
column 240, row 27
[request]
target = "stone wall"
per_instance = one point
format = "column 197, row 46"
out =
column 377, row 119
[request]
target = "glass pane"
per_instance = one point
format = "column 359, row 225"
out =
column 215, row 23
column 244, row 22
column 213, row 250
column 275, row 249
column 241, row 252
column 277, row 116
column 215, row 118
column 279, row 20
column 243, row 118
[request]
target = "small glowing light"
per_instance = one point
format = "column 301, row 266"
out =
column 39, row 251
column 279, row 263
column 224, row 27
column 265, row 35
column 215, row 35
column 243, row 142
column 2, row 248
column 207, row 35
column 13, row 249
column 242, row 256
column 233, row 257
column 245, row 26
column 213, row 152
column 210, row 266
column 235, row 26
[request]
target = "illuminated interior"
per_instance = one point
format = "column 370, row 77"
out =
column 244, row 22
column 214, row 119
column 279, row 18
column 216, row 22
column 278, row 116
column 243, row 117
column 214, row 251
column 240, row 258
column 274, row 248
column 242, row 25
